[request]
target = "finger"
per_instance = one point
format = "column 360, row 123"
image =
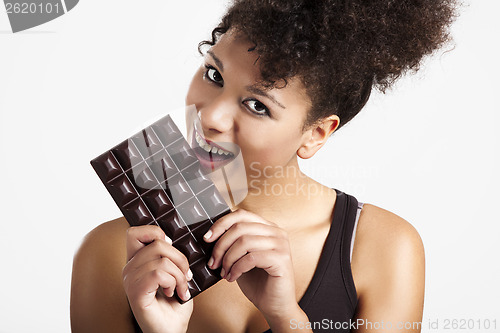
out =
column 169, row 288
column 161, row 249
column 145, row 276
column 166, row 265
column 224, row 223
column 141, row 290
column 246, row 244
column 233, row 234
column 271, row 261
column 139, row 237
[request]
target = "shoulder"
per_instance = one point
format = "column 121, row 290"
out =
column 103, row 246
column 387, row 251
column 385, row 230
column 106, row 234
column 98, row 301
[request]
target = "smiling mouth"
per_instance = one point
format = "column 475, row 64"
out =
column 210, row 155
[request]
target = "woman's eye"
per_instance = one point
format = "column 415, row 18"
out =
column 257, row 107
column 213, row 75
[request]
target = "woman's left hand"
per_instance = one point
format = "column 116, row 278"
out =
column 256, row 253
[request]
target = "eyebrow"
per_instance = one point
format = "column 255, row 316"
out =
column 255, row 90
column 217, row 61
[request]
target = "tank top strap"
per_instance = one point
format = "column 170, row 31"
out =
column 349, row 222
column 327, row 258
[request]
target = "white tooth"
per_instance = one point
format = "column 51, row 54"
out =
column 214, row 150
column 207, row 148
column 221, row 151
column 200, row 141
column 226, row 153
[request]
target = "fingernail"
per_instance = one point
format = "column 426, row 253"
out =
column 168, row 240
column 188, row 295
column 207, row 235
column 189, row 275
column 210, row 262
column 228, row 276
column 222, row 272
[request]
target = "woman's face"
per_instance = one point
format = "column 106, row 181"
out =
column 265, row 124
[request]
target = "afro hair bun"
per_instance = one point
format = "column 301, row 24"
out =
column 340, row 49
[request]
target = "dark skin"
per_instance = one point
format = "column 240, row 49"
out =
column 261, row 249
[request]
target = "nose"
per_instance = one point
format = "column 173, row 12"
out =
column 217, row 118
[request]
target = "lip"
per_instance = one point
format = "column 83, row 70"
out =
column 210, row 161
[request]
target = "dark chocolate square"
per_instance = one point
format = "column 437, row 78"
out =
column 127, row 154
column 147, row 142
column 158, row 202
column 162, row 166
column 142, row 178
column 172, row 225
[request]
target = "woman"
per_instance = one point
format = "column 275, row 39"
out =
column 278, row 79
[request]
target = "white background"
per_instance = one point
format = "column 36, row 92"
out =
column 428, row 150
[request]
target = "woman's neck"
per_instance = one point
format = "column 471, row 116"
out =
column 287, row 197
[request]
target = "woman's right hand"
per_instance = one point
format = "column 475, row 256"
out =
column 154, row 270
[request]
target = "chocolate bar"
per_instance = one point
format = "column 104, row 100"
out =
column 155, row 178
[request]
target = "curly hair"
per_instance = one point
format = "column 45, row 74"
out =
column 340, row 49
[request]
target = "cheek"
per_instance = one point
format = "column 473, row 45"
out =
column 269, row 146
column 197, row 92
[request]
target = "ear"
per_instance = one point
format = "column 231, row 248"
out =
column 315, row 137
